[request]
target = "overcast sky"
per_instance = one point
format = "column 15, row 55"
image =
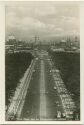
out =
column 45, row 19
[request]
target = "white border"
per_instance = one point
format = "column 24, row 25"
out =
column 2, row 69
column 2, row 62
column 82, row 59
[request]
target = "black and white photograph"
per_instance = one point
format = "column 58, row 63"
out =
column 42, row 61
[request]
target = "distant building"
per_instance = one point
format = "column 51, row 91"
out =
column 63, row 43
column 11, row 40
column 54, row 49
column 10, row 43
column 77, row 42
column 68, row 43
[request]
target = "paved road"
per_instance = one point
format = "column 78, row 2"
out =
column 42, row 93
column 45, row 103
column 46, row 97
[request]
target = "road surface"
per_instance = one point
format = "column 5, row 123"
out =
column 43, row 114
column 46, row 97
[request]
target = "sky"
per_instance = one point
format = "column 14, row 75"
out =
column 47, row 20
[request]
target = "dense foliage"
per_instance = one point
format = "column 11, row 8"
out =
column 15, row 66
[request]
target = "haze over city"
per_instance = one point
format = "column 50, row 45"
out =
column 47, row 20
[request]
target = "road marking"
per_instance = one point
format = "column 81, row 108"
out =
column 42, row 93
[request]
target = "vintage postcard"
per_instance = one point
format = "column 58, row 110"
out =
column 42, row 71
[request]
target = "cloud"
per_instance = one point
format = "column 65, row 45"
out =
column 42, row 18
